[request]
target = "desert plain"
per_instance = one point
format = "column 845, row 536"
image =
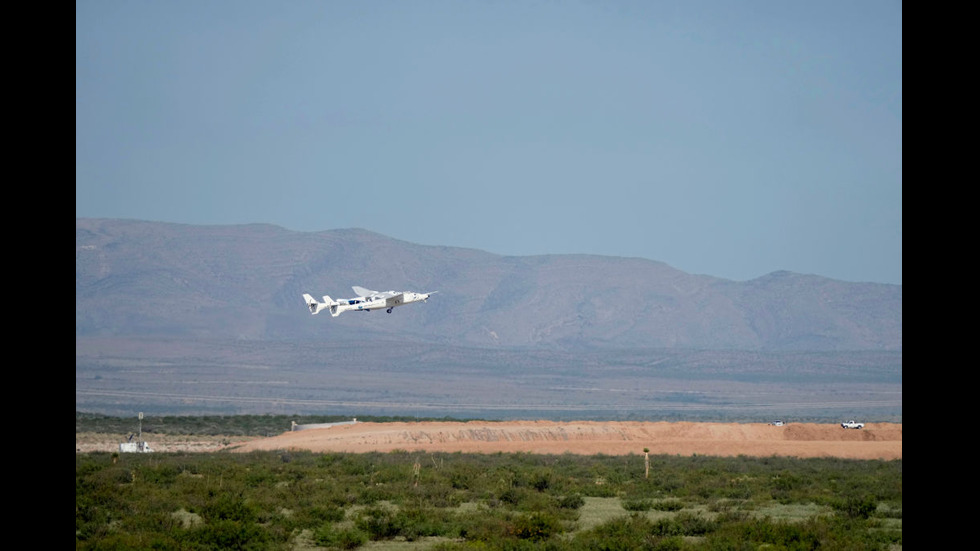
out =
column 875, row 441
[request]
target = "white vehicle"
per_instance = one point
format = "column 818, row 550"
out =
column 777, row 423
column 366, row 301
column 852, row 424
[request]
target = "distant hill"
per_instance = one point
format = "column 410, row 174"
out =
column 182, row 319
column 159, row 280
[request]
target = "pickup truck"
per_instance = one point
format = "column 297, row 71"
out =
column 852, row 424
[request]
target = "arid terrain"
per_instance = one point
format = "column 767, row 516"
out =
column 104, row 442
column 875, row 441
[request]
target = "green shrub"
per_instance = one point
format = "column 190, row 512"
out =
column 418, row 522
column 159, row 474
column 684, row 524
column 857, row 507
column 229, row 534
column 637, row 504
column 228, row 507
column 668, row 505
column 509, row 501
column 331, row 536
column 574, row 501
column 462, row 477
column 541, row 480
column 380, row 522
column 513, row 495
column 325, row 513
column 622, row 533
column 537, row 526
column 483, row 526
column 766, row 533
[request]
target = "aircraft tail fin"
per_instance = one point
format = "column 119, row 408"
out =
column 333, row 304
column 328, row 304
column 312, row 304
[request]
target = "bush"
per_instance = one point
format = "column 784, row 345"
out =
column 514, row 502
column 857, row 507
column 574, row 501
column 325, row 513
column 623, row 533
column 684, row 524
column 759, row 533
column 536, row 526
column 541, row 480
column 668, row 505
column 330, row 536
column 415, row 523
column 483, row 526
column 227, row 507
column 229, row 534
column 641, row 500
column 637, row 504
column 379, row 522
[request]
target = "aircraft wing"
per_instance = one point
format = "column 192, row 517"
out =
column 387, row 295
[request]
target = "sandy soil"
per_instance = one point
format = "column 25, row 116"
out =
column 875, row 441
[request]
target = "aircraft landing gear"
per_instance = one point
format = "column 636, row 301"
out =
column 389, row 310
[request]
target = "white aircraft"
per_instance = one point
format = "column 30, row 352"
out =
column 366, row 301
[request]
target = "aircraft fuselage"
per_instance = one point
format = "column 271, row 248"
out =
column 370, row 300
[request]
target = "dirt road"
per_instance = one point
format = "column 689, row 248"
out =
column 875, row 441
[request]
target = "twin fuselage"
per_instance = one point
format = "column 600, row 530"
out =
column 367, row 301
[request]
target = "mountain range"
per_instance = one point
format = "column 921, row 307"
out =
column 135, row 278
column 192, row 318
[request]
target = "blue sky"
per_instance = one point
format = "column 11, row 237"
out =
column 724, row 138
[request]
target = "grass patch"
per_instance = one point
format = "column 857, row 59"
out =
column 598, row 510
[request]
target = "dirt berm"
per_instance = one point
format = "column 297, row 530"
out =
column 875, row 441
